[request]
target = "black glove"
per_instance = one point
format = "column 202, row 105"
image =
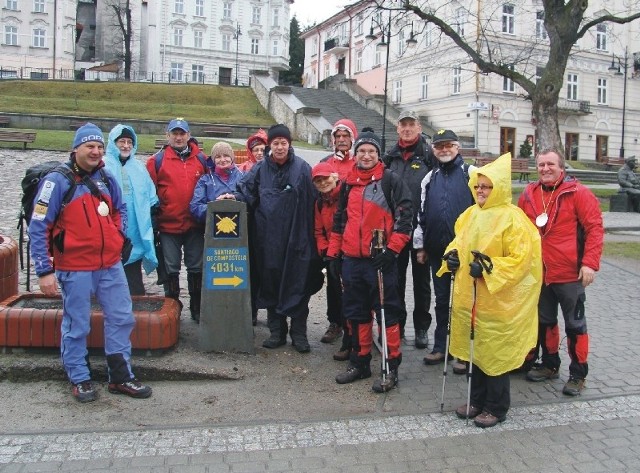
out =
column 384, row 261
column 335, row 267
column 475, row 269
column 453, row 262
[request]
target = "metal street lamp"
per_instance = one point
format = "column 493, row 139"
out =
column 618, row 72
column 236, row 36
column 386, row 32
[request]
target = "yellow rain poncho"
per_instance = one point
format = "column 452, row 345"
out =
column 506, row 324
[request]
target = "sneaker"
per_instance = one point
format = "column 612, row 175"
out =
column 486, row 419
column 84, row 391
column 353, row 373
column 574, row 386
column 474, row 411
column 132, row 388
column 542, row 374
column 332, row 334
column 422, row 339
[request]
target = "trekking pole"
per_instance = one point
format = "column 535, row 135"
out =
column 486, row 264
column 377, row 247
column 446, row 351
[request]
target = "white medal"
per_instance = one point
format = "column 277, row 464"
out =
column 542, row 219
column 103, row 209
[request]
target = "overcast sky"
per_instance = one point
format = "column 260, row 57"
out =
column 310, row 11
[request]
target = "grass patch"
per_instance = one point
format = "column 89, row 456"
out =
column 629, row 250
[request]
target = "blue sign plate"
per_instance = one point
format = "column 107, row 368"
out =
column 226, row 268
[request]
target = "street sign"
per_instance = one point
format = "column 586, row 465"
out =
column 226, row 268
column 478, row 106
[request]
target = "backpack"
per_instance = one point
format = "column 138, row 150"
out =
column 157, row 159
column 30, row 184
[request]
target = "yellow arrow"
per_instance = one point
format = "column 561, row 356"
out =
column 233, row 281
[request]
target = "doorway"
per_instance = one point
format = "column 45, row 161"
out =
column 571, row 144
column 602, row 147
column 224, row 74
column 508, row 141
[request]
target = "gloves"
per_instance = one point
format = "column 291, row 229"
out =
column 475, row 269
column 335, row 267
column 453, row 262
column 384, row 261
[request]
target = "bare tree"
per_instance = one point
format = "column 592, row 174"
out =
column 564, row 22
column 122, row 22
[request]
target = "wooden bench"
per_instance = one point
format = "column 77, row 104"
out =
column 520, row 166
column 241, row 156
column 218, row 131
column 75, row 125
column 159, row 143
column 470, row 152
column 4, row 121
column 482, row 161
column 18, row 136
column 610, row 161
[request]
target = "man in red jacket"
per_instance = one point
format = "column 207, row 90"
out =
column 175, row 170
column 569, row 220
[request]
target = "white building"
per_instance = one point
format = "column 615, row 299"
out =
column 208, row 41
column 435, row 78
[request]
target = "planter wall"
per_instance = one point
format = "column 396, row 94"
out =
column 33, row 321
column 8, row 267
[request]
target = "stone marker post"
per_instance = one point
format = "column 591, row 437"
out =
column 225, row 313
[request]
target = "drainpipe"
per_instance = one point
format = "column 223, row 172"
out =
column 55, row 35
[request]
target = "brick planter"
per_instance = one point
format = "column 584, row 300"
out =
column 33, row 321
column 8, row 267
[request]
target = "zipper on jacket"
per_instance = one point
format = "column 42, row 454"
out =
column 86, row 213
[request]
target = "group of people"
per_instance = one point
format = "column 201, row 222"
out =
column 499, row 271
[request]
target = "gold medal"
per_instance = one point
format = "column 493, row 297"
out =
column 103, row 209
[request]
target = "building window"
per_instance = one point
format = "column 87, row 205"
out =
column 254, row 45
column 11, row 35
column 198, row 38
column 602, row 92
column 38, row 6
column 401, row 43
column 178, row 7
column 226, row 42
column 274, row 49
column 359, row 60
column 177, row 36
column 508, row 19
column 11, row 5
column 507, row 84
column 428, row 34
column 397, row 91
column 424, row 86
column 541, row 31
column 572, row 86
column 326, row 71
column 38, row 38
column 255, row 15
column 197, row 73
column 601, row 37
column 457, row 79
column 275, row 16
column 359, row 24
column 461, row 19
column 176, row 71
column 226, row 10
column 199, row 8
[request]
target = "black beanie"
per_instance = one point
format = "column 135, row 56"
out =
column 126, row 133
column 278, row 131
column 367, row 137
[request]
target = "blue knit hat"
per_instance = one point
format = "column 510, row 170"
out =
column 86, row 133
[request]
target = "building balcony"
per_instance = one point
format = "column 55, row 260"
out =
column 336, row 45
column 574, row 107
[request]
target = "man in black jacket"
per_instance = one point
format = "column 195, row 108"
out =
column 409, row 159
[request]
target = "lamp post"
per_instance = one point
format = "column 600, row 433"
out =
column 618, row 72
column 384, row 43
column 236, row 36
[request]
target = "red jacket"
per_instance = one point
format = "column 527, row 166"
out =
column 325, row 209
column 175, row 181
column 343, row 165
column 363, row 207
column 573, row 235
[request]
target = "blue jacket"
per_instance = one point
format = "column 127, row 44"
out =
column 210, row 187
column 139, row 195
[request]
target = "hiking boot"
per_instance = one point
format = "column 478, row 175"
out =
column 435, row 358
column 460, row 367
column 354, row 372
column 474, row 411
column 542, row 374
column 422, row 339
column 332, row 334
column 342, row 355
column 132, row 388
column 486, row 419
column 390, row 382
column 84, row 391
column 574, row 386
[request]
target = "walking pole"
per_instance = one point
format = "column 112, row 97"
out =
column 446, row 351
column 377, row 246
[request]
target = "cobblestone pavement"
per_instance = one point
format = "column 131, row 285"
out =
column 545, row 431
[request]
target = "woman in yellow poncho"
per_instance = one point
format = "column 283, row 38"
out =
column 506, row 317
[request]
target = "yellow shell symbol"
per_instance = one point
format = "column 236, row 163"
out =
column 226, row 225
column 440, row 132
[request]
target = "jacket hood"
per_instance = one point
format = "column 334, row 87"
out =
column 260, row 135
column 499, row 172
column 112, row 149
column 344, row 124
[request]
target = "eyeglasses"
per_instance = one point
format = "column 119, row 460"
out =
column 444, row 145
column 482, row 187
column 372, row 152
column 124, row 142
